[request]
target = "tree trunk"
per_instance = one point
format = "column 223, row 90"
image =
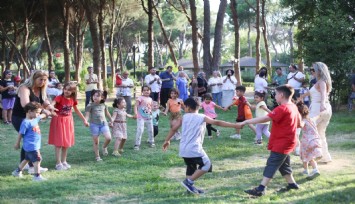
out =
column 66, row 47
column 114, row 18
column 194, row 36
column 234, row 9
column 263, row 17
column 218, row 34
column 149, row 11
column 13, row 49
column 207, row 38
column 79, row 48
column 46, row 37
column 250, row 46
column 182, row 43
column 25, row 39
column 3, row 48
column 257, row 40
column 102, row 44
column 290, row 34
column 159, row 61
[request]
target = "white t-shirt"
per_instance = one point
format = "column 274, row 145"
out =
column 291, row 79
column 155, row 87
column 90, row 87
column 259, row 112
column 192, row 135
column 125, row 91
column 260, row 84
column 215, row 80
column 230, row 84
column 52, row 91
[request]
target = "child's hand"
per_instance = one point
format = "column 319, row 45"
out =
column 239, row 125
column 17, row 146
column 166, row 145
column 86, row 123
column 165, row 114
column 225, row 109
column 110, row 124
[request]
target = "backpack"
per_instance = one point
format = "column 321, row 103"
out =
column 118, row 80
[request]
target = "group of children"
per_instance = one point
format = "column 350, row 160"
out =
column 286, row 118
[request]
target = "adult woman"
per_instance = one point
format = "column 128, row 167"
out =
column 260, row 83
column 215, row 82
column 33, row 89
column 8, row 92
column 229, row 83
column 201, row 84
column 52, row 83
column 320, row 109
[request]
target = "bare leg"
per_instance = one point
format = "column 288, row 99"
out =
column 4, row 115
column 122, row 144
column 265, row 181
column 289, row 178
column 22, row 164
column 313, row 164
column 57, row 155
column 36, row 166
column 64, row 154
column 305, row 165
column 9, row 115
column 117, row 144
column 96, row 145
column 107, row 136
column 198, row 173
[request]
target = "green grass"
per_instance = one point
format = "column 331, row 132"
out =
column 152, row 176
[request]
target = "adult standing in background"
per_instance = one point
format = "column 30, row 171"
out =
column 167, row 79
column 153, row 81
column 295, row 79
column 181, row 85
column 202, row 85
column 352, row 93
column 91, row 84
column 8, row 92
column 215, row 82
column 320, row 110
column 181, row 69
column 280, row 78
column 313, row 78
column 229, row 83
column 124, row 90
column 52, row 85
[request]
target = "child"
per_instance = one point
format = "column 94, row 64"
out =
column 31, row 135
column 181, row 84
column 155, row 116
column 261, row 110
column 61, row 131
column 304, row 90
column 310, row 142
column 8, row 91
column 191, row 150
column 208, row 108
column 143, row 113
column 285, row 120
column 244, row 112
column 119, row 129
column 174, row 107
column 96, row 111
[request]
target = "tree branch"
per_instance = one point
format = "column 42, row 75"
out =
column 250, row 6
column 144, row 8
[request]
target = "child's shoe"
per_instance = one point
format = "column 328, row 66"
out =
column 189, row 186
column 17, row 173
column 60, row 167
column 255, row 192
column 177, row 136
column 258, row 142
column 209, row 136
column 218, row 133
column 39, row 178
column 66, row 165
column 305, row 172
column 151, row 145
column 116, row 154
column 120, row 151
column 98, row 159
column 314, row 174
column 236, row 136
column 136, row 147
column 31, row 170
column 104, row 151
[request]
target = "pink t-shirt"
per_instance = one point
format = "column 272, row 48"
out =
column 144, row 107
column 209, row 110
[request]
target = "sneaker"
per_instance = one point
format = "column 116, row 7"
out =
column 177, row 136
column 136, row 147
column 200, row 191
column 151, row 145
column 116, row 154
column 17, row 173
column 236, row 136
column 190, row 187
column 210, row 137
column 218, row 133
column 255, row 192
column 305, row 172
column 39, row 178
column 314, row 174
column 258, row 142
column 65, row 164
column 98, row 159
column 60, row 167
column 289, row 187
column 31, row 170
column 104, row 151
column 120, row 151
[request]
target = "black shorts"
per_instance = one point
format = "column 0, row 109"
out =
column 277, row 161
column 191, row 164
column 33, row 156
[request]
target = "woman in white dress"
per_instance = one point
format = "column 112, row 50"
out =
column 229, row 83
column 320, row 108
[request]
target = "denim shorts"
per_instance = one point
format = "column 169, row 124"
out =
column 97, row 129
column 33, row 156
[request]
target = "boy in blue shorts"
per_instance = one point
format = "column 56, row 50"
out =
column 31, row 135
column 192, row 135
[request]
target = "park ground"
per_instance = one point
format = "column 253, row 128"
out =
column 153, row 176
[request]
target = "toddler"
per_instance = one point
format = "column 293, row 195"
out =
column 174, row 107
column 208, row 107
column 155, row 116
column 261, row 110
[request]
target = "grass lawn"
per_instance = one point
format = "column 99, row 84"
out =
column 152, row 176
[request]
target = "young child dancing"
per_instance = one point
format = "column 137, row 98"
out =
column 244, row 112
column 31, row 135
column 174, row 105
column 155, row 116
column 97, row 111
column 285, row 120
column 119, row 125
column 61, row 131
column 261, row 110
column 191, row 150
column 310, row 142
column 208, row 107
column 143, row 113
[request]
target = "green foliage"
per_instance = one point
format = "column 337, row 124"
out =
column 109, row 84
column 82, row 84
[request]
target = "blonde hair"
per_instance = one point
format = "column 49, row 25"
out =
column 29, row 83
column 322, row 73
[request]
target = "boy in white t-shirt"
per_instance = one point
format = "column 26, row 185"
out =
column 191, row 150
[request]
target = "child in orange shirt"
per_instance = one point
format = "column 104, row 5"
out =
column 244, row 112
column 174, row 105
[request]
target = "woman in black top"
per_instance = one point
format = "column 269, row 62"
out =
column 201, row 84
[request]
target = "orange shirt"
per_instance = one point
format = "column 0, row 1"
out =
column 174, row 105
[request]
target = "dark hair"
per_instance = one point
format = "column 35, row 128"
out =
column 146, row 86
column 241, row 88
column 174, row 90
column 293, row 66
column 305, row 82
column 72, row 89
column 208, row 96
column 262, row 73
column 229, row 70
column 169, row 67
column 89, row 67
column 302, row 109
column 263, row 69
column 260, row 94
column 193, row 103
column 117, row 101
column 32, row 106
column 278, row 68
column 286, row 90
column 103, row 94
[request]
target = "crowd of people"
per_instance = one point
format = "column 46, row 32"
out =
column 25, row 104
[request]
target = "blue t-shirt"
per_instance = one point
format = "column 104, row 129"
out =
column 167, row 84
column 31, row 134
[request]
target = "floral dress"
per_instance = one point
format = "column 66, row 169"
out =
column 310, row 142
column 119, row 129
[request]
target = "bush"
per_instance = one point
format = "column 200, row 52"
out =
column 82, row 84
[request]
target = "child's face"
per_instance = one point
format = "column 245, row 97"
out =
column 122, row 105
column 67, row 92
column 207, row 100
column 34, row 113
column 279, row 96
column 97, row 97
column 240, row 93
column 173, row 95
column 60, row 86
column 146, row 91
column 257, row 98
column 155, row 105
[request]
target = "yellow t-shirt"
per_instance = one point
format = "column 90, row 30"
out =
column 259, row 112
column 90, row 87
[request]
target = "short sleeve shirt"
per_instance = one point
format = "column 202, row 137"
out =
column 90, row 87
column 155, row 87
column 31, row 134
column 259, row 112
column 144, row 107
column 169, row 83
column 215, row 80
column 280, row 80
column 209, row 109
column 291, row 79
column 8, row 93
column 64, row 105
column 175, row 105
column 285, row 120
column 97, row 113
column 155, row 116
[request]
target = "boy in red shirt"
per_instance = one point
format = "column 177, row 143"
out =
column 285, row 120
column 244, row 112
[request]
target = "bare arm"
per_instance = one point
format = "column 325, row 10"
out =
column 18, row 141
column 256, row 120
column 24, row 94
column 107, row 113
column 323, row 94
column 171, row 133
column 114, row 115
column 87, row 116
column 265, row 109
column 219, row 107
column 81, row 116
column 222, row 123
column 166, row 109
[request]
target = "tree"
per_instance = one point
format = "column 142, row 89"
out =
column 194, row 36
column 206, row 36
column 235, row 17
column 149, row 12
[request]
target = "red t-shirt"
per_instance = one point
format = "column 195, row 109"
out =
column 64, row 105
column 244, row 112
column 285, row 120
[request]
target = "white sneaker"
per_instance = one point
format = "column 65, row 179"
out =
column 297, row 151
column 65, row 164
column 218, row 133
column 98, row 159
column 136, row 147
column 39, row 178
column 177, row 136
column 305, row 172
column 17, row 173
column 60, row 167
column 31, row 170
column 209, row 137
column 236, row 136
column 314, row 174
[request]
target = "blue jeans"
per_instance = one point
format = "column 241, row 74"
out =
column 217, row 98
column 350, row 101
column 87, row 97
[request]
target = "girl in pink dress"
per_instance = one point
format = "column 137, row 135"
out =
column 208, row 107
column 310, row 143
column 61, row 131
